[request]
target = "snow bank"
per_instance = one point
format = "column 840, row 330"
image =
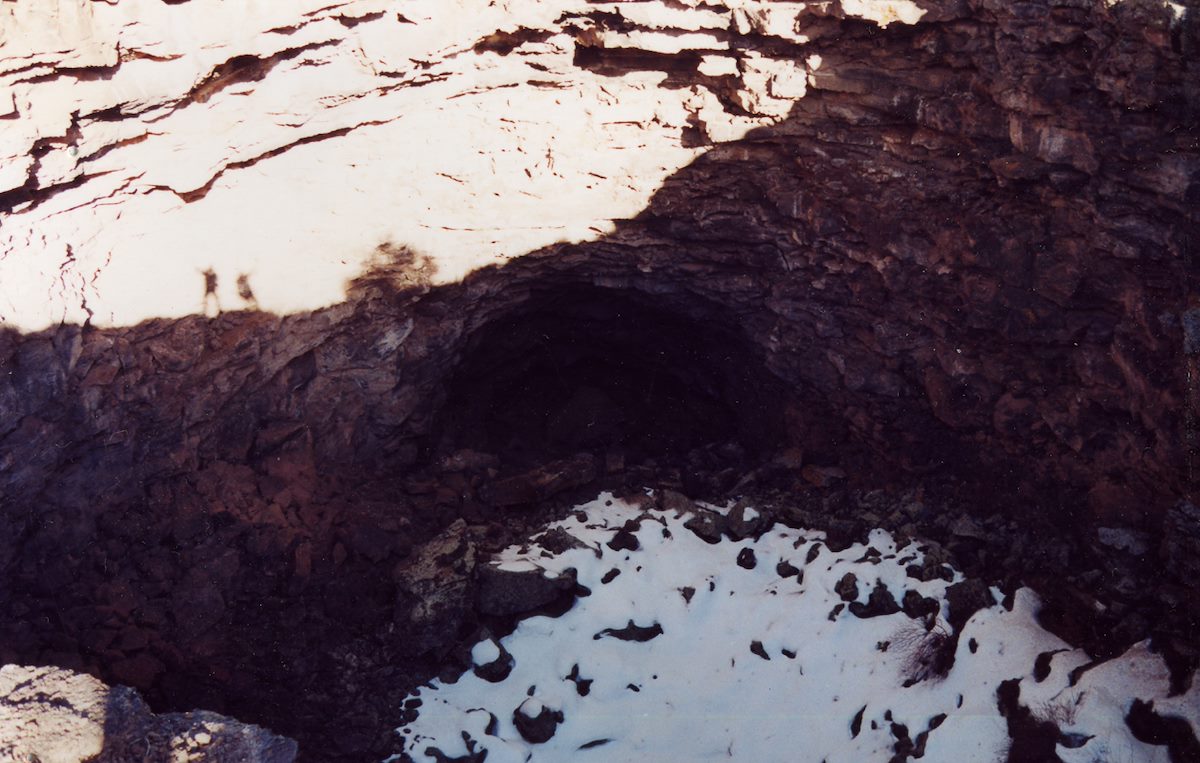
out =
column 686, row 650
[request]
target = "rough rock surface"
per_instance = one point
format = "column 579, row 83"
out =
column 510, row 592
column 58, row 716
column 959, row 236
column 976, row 216
column 435, row 590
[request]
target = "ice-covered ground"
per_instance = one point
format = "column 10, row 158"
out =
column 746, row 650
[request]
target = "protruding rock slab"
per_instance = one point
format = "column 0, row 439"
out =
column 541, row 483
column 436, row 588
column 507, row 591
column 52, row 714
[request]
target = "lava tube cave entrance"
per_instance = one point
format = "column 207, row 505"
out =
column 618, row 372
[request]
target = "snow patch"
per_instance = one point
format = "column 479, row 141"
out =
column 685, row 655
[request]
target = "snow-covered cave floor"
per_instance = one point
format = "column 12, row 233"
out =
column 767, row 663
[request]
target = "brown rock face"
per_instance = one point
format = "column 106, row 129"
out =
column 967, row 256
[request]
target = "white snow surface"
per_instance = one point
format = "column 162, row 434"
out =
column 484, row 652
column 698, row 692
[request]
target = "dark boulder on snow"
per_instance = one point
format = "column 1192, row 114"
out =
column 631, row 632
column 707, row 525
column 493, row 662
column 513, row 591
column 879, row 603
column 745, row 521
column 847, row 587
column 786, row 569
column 917, row 606
column 1173, row 731
column 536, row 722
column 624, row 539
column 670, row 500
column 965, row 599
column 746, row 559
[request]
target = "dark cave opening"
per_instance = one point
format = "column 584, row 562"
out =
column 617, row 372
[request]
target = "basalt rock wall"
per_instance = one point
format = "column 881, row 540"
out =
column 969, row 235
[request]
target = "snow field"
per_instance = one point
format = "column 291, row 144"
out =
column 752, row 666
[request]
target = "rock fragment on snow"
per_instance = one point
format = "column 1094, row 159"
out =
column 917, row 606
column 624, row 539
column 511, row 592
column 492, row 662
column 745, row 521
column 847, row 587
column 676, row 502
column 965, row 599
column 631, row 632
column 880, row 602
column 536, row 722
column 786, row 569
column 706, row 524
column 557, row 541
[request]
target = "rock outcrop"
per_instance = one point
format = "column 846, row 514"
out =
column 54, row 715
column 948, row 242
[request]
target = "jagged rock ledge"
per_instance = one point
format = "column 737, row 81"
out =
column 50, row 714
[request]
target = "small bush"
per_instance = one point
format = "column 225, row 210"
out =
column 926, row 649
column 1061, row 711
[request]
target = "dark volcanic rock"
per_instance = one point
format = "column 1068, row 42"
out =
column 495, row 671
column 1181, row 541
column 535, row 722
column 847, row 587
column 541, row 483
column 746, row 559
column 917, row 606
column 706, row 524
column 879, row 602
column 669, row 500
column 624, row 539
column 632, row 632
column 965, row 599
column 511, row 592
column 1172, row 731
column 745, row 521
